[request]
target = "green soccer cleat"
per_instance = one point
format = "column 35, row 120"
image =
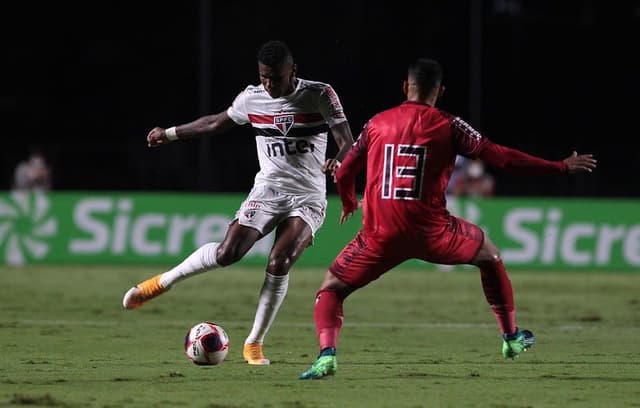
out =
column 323, row 367
column 513, row 345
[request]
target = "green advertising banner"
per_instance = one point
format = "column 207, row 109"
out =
column 103, row 228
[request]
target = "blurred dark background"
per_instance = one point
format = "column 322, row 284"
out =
column 86, row 82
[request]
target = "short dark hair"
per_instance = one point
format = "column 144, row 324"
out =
column 426, row 73
column 274, row 53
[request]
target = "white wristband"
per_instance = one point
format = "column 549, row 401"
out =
column 171, row 133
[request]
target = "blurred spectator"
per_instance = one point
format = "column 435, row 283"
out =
column 458, row 170
column 33, row 173
column 473, row 181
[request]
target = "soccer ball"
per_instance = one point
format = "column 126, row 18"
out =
column 206, row 343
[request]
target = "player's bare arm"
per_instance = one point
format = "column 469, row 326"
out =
column 344, row 139
column 580, row 163
column 205, row 125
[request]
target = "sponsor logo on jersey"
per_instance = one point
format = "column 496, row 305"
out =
column 333, row 98
column 466, row 128
column 253, row 204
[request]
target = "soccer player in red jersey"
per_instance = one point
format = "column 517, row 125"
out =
column 409, row 152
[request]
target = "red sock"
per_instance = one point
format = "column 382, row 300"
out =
column 328, row 316
column 499, row 293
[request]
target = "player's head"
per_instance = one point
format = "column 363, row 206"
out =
column 276, row 68
column 424, row 81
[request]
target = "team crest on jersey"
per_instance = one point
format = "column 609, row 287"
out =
column 283, row 122
column 249, row 214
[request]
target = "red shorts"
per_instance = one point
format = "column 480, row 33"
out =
column 366, row 258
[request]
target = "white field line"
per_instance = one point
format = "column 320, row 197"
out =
column 239, row 324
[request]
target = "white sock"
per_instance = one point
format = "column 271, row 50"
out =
column 273, row 292
column 201, row 260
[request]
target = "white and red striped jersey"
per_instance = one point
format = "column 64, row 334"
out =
column 291, row 133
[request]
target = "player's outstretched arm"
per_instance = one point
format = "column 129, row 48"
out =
column 519, row 162
column 205, row 125
column 580, row 163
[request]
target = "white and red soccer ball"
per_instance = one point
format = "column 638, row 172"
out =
column 206, row 343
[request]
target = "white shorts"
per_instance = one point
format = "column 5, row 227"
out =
column 264, row 208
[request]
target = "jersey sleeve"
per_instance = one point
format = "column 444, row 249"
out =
column 350, row 167
column 467, row 141
column 470, row 143
column 516, row 161
column 330, row 107
column 238, row 109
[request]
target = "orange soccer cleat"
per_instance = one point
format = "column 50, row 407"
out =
column 143, row 292
column 252, row 353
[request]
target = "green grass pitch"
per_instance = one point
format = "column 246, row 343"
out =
column 411, row 339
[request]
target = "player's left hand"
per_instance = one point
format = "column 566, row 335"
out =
column 578, row 163
column 348, row 212
column 330, row 167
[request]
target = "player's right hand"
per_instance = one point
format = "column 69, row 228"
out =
column 330, row 167
column 578, row 163
column 157, row 137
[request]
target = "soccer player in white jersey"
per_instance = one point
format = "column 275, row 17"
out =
column 291, row 118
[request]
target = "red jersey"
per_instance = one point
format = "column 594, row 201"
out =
column 409, row 152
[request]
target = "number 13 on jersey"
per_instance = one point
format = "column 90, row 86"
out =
column 403, row 171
